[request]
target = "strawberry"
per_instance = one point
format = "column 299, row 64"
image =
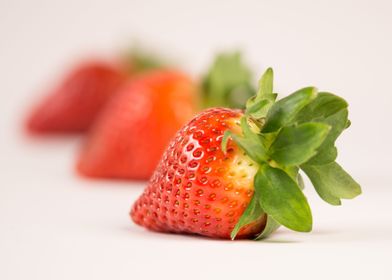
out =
column 196, row 187
column 135, row 126
column 72, row 107
column 74, row 104
column 235, row 174
column 131, row 134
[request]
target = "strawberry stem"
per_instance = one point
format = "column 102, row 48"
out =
column 295, row 133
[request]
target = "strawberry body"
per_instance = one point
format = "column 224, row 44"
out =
column 196, row 188
column 75, row 103
column 135, row 127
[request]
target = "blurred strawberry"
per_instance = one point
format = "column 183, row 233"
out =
column 135, row 127
column 74, row 104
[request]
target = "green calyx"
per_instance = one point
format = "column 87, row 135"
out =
column 295, row 133
column 138, row 59
column 228, row 82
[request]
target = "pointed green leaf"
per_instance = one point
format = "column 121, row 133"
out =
column 259, row 109
column 327, row 153
column 259, row 105
column 252, row 148
column 338, row 122
column 324, row 105
column 292, row 171
column 329, row 109
column 246, row 130
column 281, row 198
column 225, row 140
column 270, row 227
column 250, row 142
column 252, row 213
column 284, row 111
column 266, row 83
column 296, row 144
column 324, row 155
column 300, row 181
column 331, row 182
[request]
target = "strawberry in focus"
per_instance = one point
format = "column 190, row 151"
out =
column 196, row 187
column 233, row 174
column 134, row 128
column 74, row 104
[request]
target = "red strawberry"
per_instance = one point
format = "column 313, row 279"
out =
column 73, row 106
column 246, row 187
column 197, row 188
column 135, row 127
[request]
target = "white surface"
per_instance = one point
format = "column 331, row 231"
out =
column 57, row 226
column 54, row 225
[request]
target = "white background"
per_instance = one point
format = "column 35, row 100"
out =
column 54, row 225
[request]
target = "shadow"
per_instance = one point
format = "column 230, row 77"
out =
column 324, row 232
column 277, row 241
column 138, row 231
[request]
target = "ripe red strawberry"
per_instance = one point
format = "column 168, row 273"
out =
column 197, row 188
column 135, row 126
column 74, row 104
column 229, row 173
column 131, row 134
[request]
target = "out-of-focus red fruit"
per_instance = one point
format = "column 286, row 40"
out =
column 134, row 128
column 74, row 104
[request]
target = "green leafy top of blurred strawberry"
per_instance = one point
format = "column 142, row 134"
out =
column 228, row 82
column 139, row 58
column 295, row 133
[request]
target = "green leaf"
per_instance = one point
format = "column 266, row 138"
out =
column 324, row 155
column 281, row 198
column 331, row 182
column 324, row 105
column 284, row 111
column 270, row 227
column 338, row 122
column 266, row 83
column 327, row 151
column 296, row 144
column 252, row 213
column 300, row 181
column 292, row 171
column 259, row 109
column 250, row 142
column 259, row 105
column 332, row 110
column 225, row 140
column 228, row 82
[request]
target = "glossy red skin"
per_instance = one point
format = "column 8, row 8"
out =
column 74, row 104
column 134, row 129
column 191, row 190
